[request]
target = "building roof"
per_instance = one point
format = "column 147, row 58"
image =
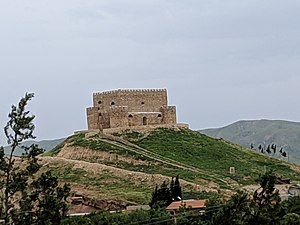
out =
column 136, row 207
column 194, row 204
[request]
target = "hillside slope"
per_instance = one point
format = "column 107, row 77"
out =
column 128, row 165
column 284, row 134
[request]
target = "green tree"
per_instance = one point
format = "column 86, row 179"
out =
column 27, row 198
column 235, row 211
column 265, row 205
column 165, row 194
column 292, row 205
column 291, row 219
column 177, row 192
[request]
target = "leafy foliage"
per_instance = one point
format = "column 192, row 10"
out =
column 27, row 198
column 263, row 207
column 138, row 217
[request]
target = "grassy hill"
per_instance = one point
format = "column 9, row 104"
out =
column 262, row 132
column 126, row 166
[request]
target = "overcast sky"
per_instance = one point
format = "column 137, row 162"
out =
column 221, row 61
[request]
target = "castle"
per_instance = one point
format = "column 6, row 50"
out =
column 130, row 108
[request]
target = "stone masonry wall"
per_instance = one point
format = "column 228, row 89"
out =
column 136, row 100
column 128, row 108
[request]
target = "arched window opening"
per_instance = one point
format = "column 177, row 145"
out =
column 100, row 114
column 112, row 103
column 145, row 121
column 143, row 103
column 130, row 116
column 159, row 115
column 99, row 102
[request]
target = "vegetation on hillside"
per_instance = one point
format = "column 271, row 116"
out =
column 195, row 157
column 264, row 206
column 213, row 156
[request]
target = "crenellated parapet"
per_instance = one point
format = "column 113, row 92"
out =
column 118, row 91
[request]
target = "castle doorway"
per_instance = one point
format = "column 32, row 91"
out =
column 145, row 121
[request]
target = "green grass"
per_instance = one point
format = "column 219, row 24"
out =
column 129, row 135
column 108, row 184
column 54, row 151
column 151, row 167
column 213, row 156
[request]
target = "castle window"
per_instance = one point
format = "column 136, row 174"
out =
column 143, row 103
column 159, row 115
column 130, row 116
column 145, row 121
column 112, row 103
column 99, row 102
column 100, row 114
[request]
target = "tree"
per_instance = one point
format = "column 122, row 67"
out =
column 280, row 151
column 266, row 208
column 165, row 194
column 292, row 205
column 161, row 197
column 177, row 192
column 291, row 219
column 27, row 198
column 268, row 150
column 235, row 211
column 263, row 207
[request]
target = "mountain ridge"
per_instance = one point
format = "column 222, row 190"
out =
column 264, row 132
column 45, row 144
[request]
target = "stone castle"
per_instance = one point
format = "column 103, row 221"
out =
column 130, row 108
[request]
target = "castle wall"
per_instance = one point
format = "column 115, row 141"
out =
column 135, row 100
column 92, row 119
column 104, row 120
column 144, row 118
column 128, row 108
column 169, row 114
column 147, row 128
column 118, row 116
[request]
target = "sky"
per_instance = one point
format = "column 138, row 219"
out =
column 221, row 61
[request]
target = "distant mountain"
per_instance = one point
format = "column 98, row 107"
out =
column 284, row 134
column 45, row 144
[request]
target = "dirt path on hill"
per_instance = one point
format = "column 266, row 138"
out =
column 137, row 177
column 132, row 147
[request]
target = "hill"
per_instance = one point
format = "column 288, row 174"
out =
column 45, row 144
column 284, row 134
column 126, row 166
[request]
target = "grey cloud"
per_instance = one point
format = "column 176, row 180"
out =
column 220, row 60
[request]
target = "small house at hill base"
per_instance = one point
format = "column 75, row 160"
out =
column 194, row 205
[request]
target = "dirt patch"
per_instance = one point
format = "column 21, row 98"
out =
column 136, row 177
column 295, row 167
column 86, row 154
column 283, row 188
